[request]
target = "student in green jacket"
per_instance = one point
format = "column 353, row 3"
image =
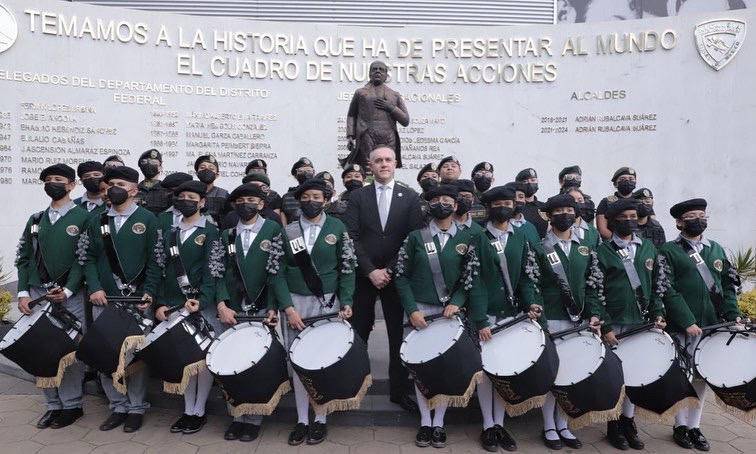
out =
column 627, row 307
column 419, row 297
column 566, row 304
column 90, row 173
column 171, row 216
column 467, row 202
column 505, row 299
column 252, row 280
column 54, row 233
column 518, row 220
column 690, row 304
column 587, row 233
column 331, row 252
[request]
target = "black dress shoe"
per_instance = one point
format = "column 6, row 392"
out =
column 615, row 437
column 555, row 445
column 630, row 431
column 114, row 420
column 573, row 443
column 438, row 437
column 680, row 435
column 234, row 430
column 506, row 441
column 194, row 424
column 317, row 433
column 180, row 423
column 406, row 403
column 47, row 419
column 132, row 423
column 423, row 438
column 298, row 435
column 66, row 418
column 489, row 439
column 699, row 441
column 250, row 432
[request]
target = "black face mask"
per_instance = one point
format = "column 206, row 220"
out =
column 428, row 183
column 587, row 211
column 626, row 227
column 302, row 177
column 440, row 210
column 206, row 176
column 571, row 183
column 186, row 207
column 625, row 187
column 694, row 227
column 500, row 214
column 351, row 185
column 117, row 196
column 463, row 206
column 645, row 210
column 56, row 191
column 311, row 209
column 530, row 189
column 246, row 211
column 482, row 183
column 562, row 221
column 91, row 184
column 149, row 171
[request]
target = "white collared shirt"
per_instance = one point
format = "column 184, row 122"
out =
column 248, row 232
column 90, row 204
column 53, row 214
column 119, row 219
column 186, row 230
column 310, row 231
column 631, row 246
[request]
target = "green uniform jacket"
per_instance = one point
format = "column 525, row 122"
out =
column 687, row 301
column 197, row 253
column 59, row 246
column 260, row 267
column 591, row 238
column 531, row 234
column 621, row 307
column 522, row 268
column 414, row 279
column 134, row 242
column 333, row 257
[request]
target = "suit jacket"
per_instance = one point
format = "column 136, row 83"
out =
column 375, row 247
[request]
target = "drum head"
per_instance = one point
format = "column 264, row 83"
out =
column 238, row 348
column 646, row 357
column 423, row 345
column 321, row 344
column 163, row 327
column 580, row 354
column 723, row 365
column 23, row 324
column 513, row 350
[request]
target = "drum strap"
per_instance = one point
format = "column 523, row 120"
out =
column 564, row 284
column 178, row 265
column 247, row 304
column 502, row 266
column 632, row 276
column 703, row 270
column 304, row 263
column 435, row 264
column 39, row 260
column 115, row 263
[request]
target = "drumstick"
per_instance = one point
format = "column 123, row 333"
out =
column 173, row 309
column 317, row 318
column 430, row 318
column 510, row 323
column 718, row 326
column 637, row 330
column 125, row 299
column 36, row 301
column 563, row 333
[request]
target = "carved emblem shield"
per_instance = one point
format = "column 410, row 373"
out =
column 719, row 40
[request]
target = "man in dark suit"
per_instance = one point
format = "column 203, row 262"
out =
column 379, row 218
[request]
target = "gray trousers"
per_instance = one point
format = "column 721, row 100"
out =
column 68, row 395
column 136, row 387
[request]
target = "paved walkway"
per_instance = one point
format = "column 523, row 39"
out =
column 21, row 405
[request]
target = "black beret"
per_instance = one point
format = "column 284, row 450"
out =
column 256, row 164
column 206, row 158
column 487, row 166
column 58, row 169
column 622, row 171
column 89, row 166
column 113, row 158
column 570, row 169
column 174, row 179
column 325, row 176
column 194, row 186
column 559, row 201
column 447, row 159
column 312, row 183
column 247, row 190
column 151, row 154
column 122, row 173
column 426, row 168
column 465, row 185
column 689, row 205
column 442, row 189
column 352, row 168
column 260, row 177
column 524, row 174
column 615, row 208
column 518, row 186
column 498, row 193
column 302, row 162
column 643, row 193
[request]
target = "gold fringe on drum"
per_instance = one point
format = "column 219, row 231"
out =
column 593, row 417
column 524, row 406
column 130, row 344
column 260, row 409
column 54, row 382
column 745, row 416
column 353, row 403
column 668, row 417
column 189, row 371
column 457, row 401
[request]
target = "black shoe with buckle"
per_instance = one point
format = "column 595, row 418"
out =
column 194, row 424
column 180, row 423
column 317, row 433
column 506, row 441
column 298, row 435
column 680, row 435
column 555, row 445
column 489, row 439
column 66, row 417
column 423, row 438
column 615, row 437
column 47, row 419
column 699, row 441
column 133, row 422
column 114, row 420
column 234, row 430
column 250, row 432
column 573, row 443
column 630, row 431
column 438, row 437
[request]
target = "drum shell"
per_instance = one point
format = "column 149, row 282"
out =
column 535, row 381
column 171, row 352
column 742, row 397
column 662, row 394
column 601, row 391
column 100, row 347
column 39, row 350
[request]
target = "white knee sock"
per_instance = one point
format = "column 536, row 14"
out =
column 681, row 418
column 302, row 399
column 204, row 384
column 422, row 404
column 438, row 415
column 499, row 411
column 549, row 426
column 190, row 395
column 628, row 408
column 694, row 414
column 560, row 421
column 485, row 399
column 320, row 418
